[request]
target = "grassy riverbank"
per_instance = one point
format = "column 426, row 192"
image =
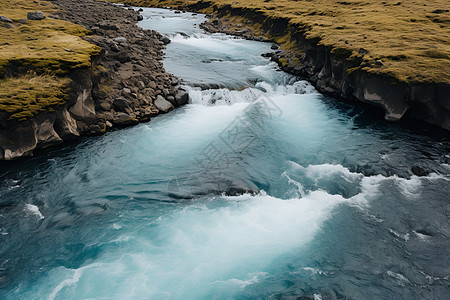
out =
column 50, row 48
column 406, row 40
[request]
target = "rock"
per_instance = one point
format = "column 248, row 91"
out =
column 362, row 51
column 141, row 84
column 139, row 18
column 121, row 104
column 109, row 124
column 7, row 25
column 237, row 188
column 120, row 40
column 36, row 15
column 22, row 21
column 5, row 19
column 105, row 106
column 274, row 47
column 165, row 40
column 122, row 120
column 46, row 135
column 379, row 62
column 123, row 57
column 171, row 99
column 68, row 50
column 181, row 98
column 162, row 104
column 419, row 171
column 175, row 82
column 107, row 25
column 140, row 9
column 114, row 47
column 177, row 12
column 126, row 92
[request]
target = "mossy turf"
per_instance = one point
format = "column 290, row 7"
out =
column 25, row 96
column 49, row 46
column 411, row 38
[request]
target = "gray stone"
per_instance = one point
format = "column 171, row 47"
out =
column 105, row 106
column 121, row 104
column 163, row 105
column 165, row 40
column 139, row 18
column 126, row 92
column 122, row 120
column 114, row 47
column 35, row 15
column 5, row 19
column 120, row 40
column 107, row 25
column 181, row 98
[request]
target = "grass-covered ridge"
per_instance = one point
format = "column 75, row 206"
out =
column 50, row 48
column 411, row 38
column 24, row 96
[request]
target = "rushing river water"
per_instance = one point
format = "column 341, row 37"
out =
column 140, row 213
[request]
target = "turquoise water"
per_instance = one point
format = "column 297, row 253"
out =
column 141, row 213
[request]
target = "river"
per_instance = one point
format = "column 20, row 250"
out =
column 333, row 210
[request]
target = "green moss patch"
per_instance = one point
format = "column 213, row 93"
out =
column 39, row 54
column 25, row 96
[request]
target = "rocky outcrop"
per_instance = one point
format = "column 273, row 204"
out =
column 36, row 15
column 332, row 72
column 125, row 85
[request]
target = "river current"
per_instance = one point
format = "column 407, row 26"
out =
column 141, row 213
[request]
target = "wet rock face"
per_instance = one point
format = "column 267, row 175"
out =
column 126, row 85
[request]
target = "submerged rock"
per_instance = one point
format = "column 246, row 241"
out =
column 419, row 171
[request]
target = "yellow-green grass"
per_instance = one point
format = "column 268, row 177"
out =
column 25, row 96
column 49, row 46
column 412, row 38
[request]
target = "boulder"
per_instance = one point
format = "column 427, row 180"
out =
column 165, row 40
column 139, row 18
column 181, row 98
column 5, row 19
column 121, row 104
column 35, row 15
column 419, row 171
column 162, row 104
column 122, row 120
column 120, row 39
column 107, row 25
column 114, row 47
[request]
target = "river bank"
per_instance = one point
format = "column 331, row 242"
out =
column 347, row 52
column 122, row 84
